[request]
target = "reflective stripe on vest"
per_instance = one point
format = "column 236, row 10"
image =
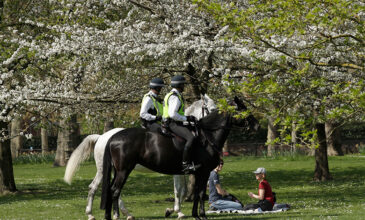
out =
column 166, row 105
column 158, row 106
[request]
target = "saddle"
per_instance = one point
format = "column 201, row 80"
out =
column 166, row 131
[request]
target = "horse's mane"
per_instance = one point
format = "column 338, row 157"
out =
column 213, row 120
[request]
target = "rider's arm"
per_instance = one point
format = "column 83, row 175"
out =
column 146, row 105
column 174, row 104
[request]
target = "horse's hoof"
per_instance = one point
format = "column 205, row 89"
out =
column 130, row 218
column 115, row 217
column 168, row 212
column 90, row 217
column 125, row 212
column 180, row 215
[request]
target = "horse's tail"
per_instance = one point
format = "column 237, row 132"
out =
column 80, row 154
column 107, row 170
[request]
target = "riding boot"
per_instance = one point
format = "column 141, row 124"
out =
column 188, row 167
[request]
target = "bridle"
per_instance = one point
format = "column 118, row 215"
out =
column 204, row 107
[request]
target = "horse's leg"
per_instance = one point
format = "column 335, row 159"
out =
column 109, row 202
column 202, row 184
column 182, row 190
column 191, row 184
column 202, row 195
column 199, row 194
column 169, row 211
column 124, row 209
column 180, row 193
column 195, row 200
column 120, row 179
column 92, row 189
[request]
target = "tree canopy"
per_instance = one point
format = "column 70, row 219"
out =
column 94, row 56
column 308, row 56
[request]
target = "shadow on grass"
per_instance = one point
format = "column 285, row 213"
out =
column 290, row 184
column 144, row 184
column 137, row 185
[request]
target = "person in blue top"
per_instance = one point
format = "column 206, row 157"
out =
column 151, row 107
column 220, row 199
column 173, row 113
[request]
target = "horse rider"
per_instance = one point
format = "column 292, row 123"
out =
column 174, row 116
column 152, row 108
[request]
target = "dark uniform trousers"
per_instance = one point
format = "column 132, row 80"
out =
column 179, row 129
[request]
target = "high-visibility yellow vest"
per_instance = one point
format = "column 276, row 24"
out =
column 166, row 105
column 158, row 105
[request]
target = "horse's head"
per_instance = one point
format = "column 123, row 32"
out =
column 249, row 122
column 209, row 103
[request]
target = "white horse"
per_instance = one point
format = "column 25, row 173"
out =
column 199, row 109
column 98, row 142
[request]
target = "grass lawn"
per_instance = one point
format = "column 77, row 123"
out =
column 43, row 194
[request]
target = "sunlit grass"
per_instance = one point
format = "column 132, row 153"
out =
column 43, row 194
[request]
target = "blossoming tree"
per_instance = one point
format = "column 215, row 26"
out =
column 309, row 62
column 94, row 56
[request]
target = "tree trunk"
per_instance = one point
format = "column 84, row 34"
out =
column 7, row 182
column 272, row 134
column 225, row 149
column 44, row 138
column 1, row 10
column 194, row 82
column 67, row 141
column 16, row 141
column 333, row 134
column 321, row 172
column 293, row 138
column 198, row 82
column 108, row 125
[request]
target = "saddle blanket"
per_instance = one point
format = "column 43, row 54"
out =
column 276, row 208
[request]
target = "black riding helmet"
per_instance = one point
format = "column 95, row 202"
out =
column 156, row 83
column 177, row 81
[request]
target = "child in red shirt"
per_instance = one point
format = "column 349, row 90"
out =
column 265, row 195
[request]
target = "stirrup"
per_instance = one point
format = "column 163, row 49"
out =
column 190, row 168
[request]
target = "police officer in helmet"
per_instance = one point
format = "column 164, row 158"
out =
column 173, row 111
column 151, row 108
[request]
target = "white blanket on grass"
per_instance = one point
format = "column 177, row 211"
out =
column 276, row 208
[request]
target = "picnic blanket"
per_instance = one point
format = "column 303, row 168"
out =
column 277, row 208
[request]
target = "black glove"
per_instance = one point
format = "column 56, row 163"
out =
column 158, row 118
column 191, row 118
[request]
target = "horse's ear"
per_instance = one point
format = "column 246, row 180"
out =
column 240, row 104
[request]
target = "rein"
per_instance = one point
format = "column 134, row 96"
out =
column 203, row 134
column 204, row 108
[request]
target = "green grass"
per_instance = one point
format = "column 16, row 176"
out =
column 43, row 194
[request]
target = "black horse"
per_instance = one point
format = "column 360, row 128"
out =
column 164, row 155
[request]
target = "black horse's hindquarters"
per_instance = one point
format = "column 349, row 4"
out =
column 135, row 145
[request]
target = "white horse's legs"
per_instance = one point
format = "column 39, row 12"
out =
column 124, row 210
column 180, row 190
column 90, row 198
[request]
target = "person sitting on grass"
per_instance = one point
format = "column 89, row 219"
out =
column 265, row 195
column 219, row 198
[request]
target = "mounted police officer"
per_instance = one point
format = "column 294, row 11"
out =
column 173, row 113
column 151, row 108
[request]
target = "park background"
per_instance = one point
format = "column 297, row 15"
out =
column 71, row 68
